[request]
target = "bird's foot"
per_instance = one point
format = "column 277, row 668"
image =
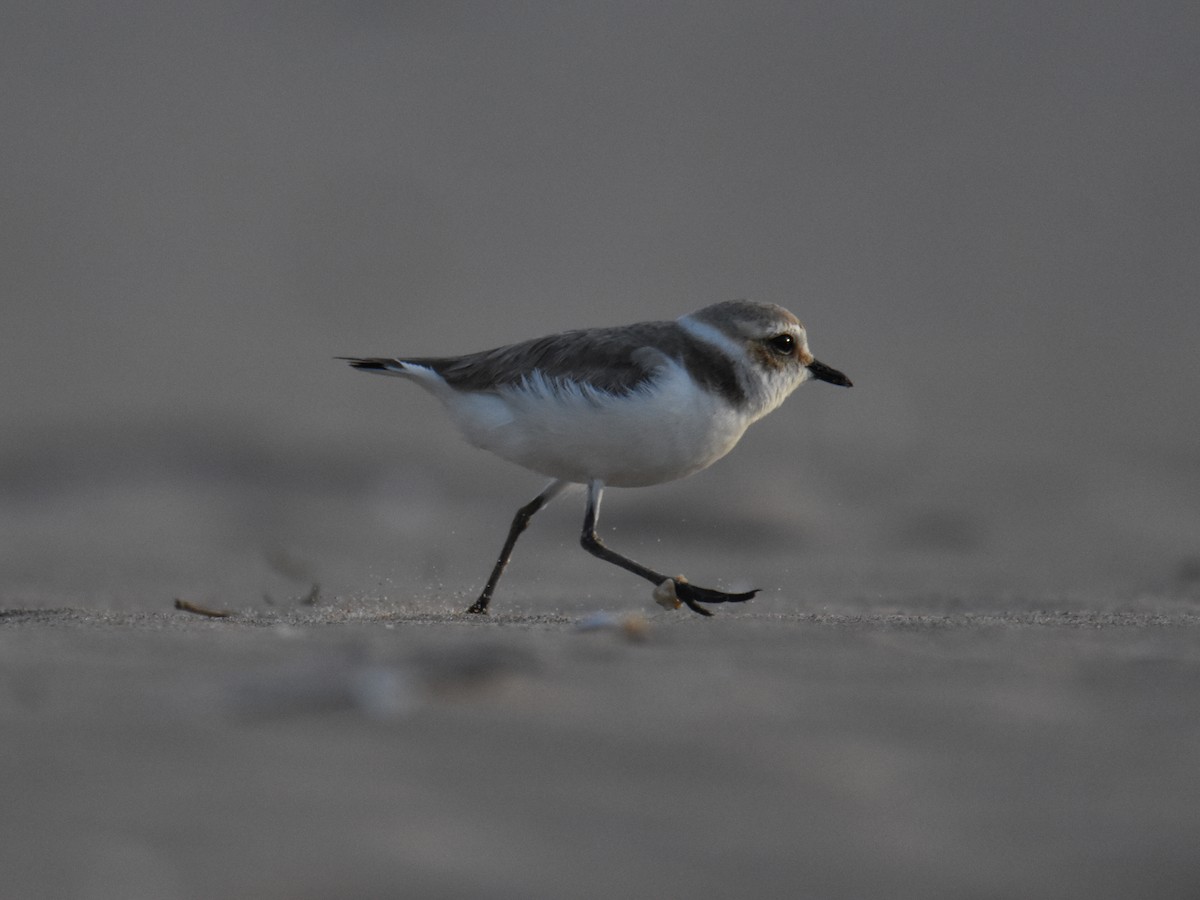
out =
column 479, row 607
column 674, row 592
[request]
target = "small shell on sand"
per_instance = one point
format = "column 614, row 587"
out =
column 664, row 593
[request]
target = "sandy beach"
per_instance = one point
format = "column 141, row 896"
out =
column 973, row 670
column 334, row 752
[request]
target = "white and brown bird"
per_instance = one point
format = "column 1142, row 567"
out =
column 627, row 406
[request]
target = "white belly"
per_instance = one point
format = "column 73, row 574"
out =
column 664, row 432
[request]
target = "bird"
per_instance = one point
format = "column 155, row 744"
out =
column 624, row 406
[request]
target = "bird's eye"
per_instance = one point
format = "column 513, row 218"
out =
column 783, row 344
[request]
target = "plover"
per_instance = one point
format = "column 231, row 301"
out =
column 628, row 406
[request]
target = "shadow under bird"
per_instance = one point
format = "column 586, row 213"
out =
column 627, row 406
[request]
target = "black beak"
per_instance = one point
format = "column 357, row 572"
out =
column 822, row 372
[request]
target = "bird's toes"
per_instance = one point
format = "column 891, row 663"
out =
column 692, row 595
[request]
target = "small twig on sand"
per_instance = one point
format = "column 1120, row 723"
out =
column 187, row 606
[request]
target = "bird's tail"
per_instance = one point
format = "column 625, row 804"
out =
column 378, row 365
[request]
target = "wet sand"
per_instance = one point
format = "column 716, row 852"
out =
column 359, row 750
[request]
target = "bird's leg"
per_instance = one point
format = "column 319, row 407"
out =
column 519, row 523
column 688, row 593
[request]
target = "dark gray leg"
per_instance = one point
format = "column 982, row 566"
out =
column 519, row 523
column 690, row 594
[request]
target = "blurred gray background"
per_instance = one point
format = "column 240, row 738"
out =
column 986, row 214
